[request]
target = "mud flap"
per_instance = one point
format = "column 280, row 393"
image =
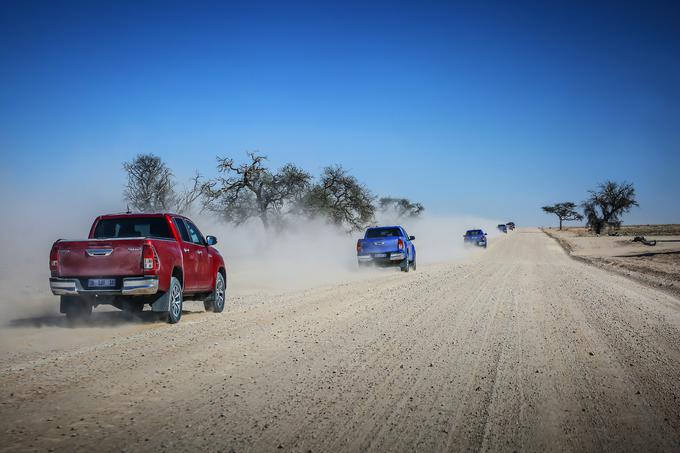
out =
column 162, row 304
column 62, row 305
column 65, row 301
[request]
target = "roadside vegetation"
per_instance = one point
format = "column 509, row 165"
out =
column 604, row 208
column 565, row 211
column 251, row 189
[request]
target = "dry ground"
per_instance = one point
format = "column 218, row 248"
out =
column 657, row 266
column 517, row 347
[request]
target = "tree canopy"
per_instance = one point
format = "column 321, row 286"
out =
column 565, row 211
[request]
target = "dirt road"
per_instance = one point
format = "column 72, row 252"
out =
column 518, row 347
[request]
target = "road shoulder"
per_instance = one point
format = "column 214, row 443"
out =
column 657, row 267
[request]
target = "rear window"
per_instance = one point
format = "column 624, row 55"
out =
column 382, row 232
column 133, row 227
column 473, row 232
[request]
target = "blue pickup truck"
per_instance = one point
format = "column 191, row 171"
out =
column 387, row 246
column 475, row 237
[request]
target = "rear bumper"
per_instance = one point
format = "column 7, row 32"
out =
column 389, row 258
column 131, row 286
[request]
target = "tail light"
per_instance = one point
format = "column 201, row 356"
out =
column 54, row 259
column 359, row 246
column 149, row 258
column 400, row 244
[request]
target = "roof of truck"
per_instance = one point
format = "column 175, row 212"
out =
column 140, row 214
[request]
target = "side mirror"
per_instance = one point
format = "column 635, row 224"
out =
column 211, row 240
column 484, row 234
column 410, row 238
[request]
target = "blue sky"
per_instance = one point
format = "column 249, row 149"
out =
column 486, row 109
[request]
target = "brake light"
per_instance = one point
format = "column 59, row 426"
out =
column 400, row 244
column 359, row 246
column 54, row 259
column 149, row 258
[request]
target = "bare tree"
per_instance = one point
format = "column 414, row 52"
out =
column 251, row 190
column 150, row 184
column 401, row 208
column 189, row 196
column 565, row 211
column 340, row 198
column 608, row 203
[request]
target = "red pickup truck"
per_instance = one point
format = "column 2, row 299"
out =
column 130, row 260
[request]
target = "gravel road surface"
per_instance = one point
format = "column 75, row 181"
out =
column 515, row 348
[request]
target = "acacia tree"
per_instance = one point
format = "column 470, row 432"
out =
column 400, row 207
column 608, row 203
column 565, row 211
column 249, row 190
column 341, row 199
column 149, row 185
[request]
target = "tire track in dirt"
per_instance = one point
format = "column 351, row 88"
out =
column 508, row 332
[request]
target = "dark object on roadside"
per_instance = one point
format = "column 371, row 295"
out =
column 501, row 227
column 510, row 225
column 643, row 240
column 613, row 233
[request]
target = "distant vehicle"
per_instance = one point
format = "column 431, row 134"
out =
column 130, row 260
column 475, row 237
column 503, row 228
column 510, row 225
column 387, row 246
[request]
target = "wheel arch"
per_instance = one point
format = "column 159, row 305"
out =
column 178, row 273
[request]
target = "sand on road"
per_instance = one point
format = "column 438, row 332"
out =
column 517, row 347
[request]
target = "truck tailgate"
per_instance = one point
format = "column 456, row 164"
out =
column 379, row 245
column 100, row 257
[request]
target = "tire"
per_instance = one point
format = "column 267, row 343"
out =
column 175, row 302
column 218, row 297
column 405, row 265
column 76, row 308
column 413, row 264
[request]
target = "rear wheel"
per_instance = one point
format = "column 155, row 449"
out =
column 76, row 308
column 413, row 263
column 218, row 297
column 175, row 296
column 405, row 265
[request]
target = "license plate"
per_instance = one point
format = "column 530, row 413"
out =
column 379, row 255
column 101, row 282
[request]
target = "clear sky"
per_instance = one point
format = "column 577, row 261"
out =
column 489, row 109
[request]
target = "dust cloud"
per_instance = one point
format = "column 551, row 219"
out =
column 313, row 253
column 307, row 254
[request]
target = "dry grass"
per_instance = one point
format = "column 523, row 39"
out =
column 671, row 229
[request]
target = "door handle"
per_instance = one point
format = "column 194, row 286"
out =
column 200, row 252
column 186, row 250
